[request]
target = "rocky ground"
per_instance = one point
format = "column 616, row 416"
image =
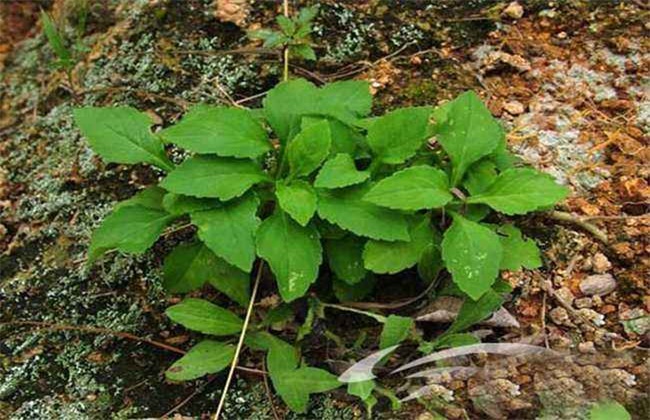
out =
column 569, row 79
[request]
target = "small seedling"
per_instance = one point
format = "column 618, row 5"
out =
column 294, row 34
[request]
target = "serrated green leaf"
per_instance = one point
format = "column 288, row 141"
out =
column 467, row 132
column 150, row 198
column 206, row 357
column 304, row 51
column 480, row 176
column 282, row 356
column 287, row 25
column 309, row 149
column 211, row 176
column 286, row 103
column 345, row 258
column 307, row 14
column 121, row 135
column 339, row 172
column 347, row 209
column 205, row 317
column 189, row 266
column 179, row 204
column 396, row 329
column 397, row 135
column 297, row 199
column 345, row 139
column 229, row 231
column 518, row 252
column 345, row 292
column 519, row 191
column 472, row 254
column 295, row 386
column 346, row 101
column 231, row 132
column 609, row 410
column 293, row 253
column 415, row 188
column 392, row 257
column 131, row 229
column 361, row 389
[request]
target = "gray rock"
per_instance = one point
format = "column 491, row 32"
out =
column 598, row 284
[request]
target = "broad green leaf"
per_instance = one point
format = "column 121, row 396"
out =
column 519, row 191
column 122, row 135
column 282, row 356
column 211, row 176
column 430, row 263
column 345, row 258
column 150, row 197
column 224, row 131
column 396, row 329
column 609, row 410
column 309, row 149
column 475, row 311
column 480, row 176
column 295, row 386
column 307, row 14
column 346, row 100
column 189, row 266
column 517, row 251
column 287, row 25
column 392, row 257
column 414, row 188
column 397, row 135
column 339, row 172
column 205, row 317
column 347, row 209
column 472, row 254
column 293, row 253
column 344, row 138
column 179, row 204
column 361, row 389
column 206, row 357
column 297, row 199
column 131, row 229
column 345, row 292
column 467, row 133
column 229, row 231
column 286, row 103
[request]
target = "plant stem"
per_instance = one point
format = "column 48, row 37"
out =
column 562, row 216
column 285, row 73
column 377, row 317
column 240, row 343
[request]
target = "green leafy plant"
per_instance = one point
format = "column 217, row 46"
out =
column 66, row 51
column 294, row 34
column 311, row 184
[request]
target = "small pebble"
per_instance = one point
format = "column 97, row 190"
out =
column 607, row 309
column 565, row 294
column 3, row 231
column 601, row 264
column 598, row 284
column 514, row 107
column 514, row 10
column 584, row 303
column 593, row 316
column 559, row 316
column 586, row 347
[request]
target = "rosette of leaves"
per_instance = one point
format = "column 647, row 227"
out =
column 311, row 180
column 294, row 34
